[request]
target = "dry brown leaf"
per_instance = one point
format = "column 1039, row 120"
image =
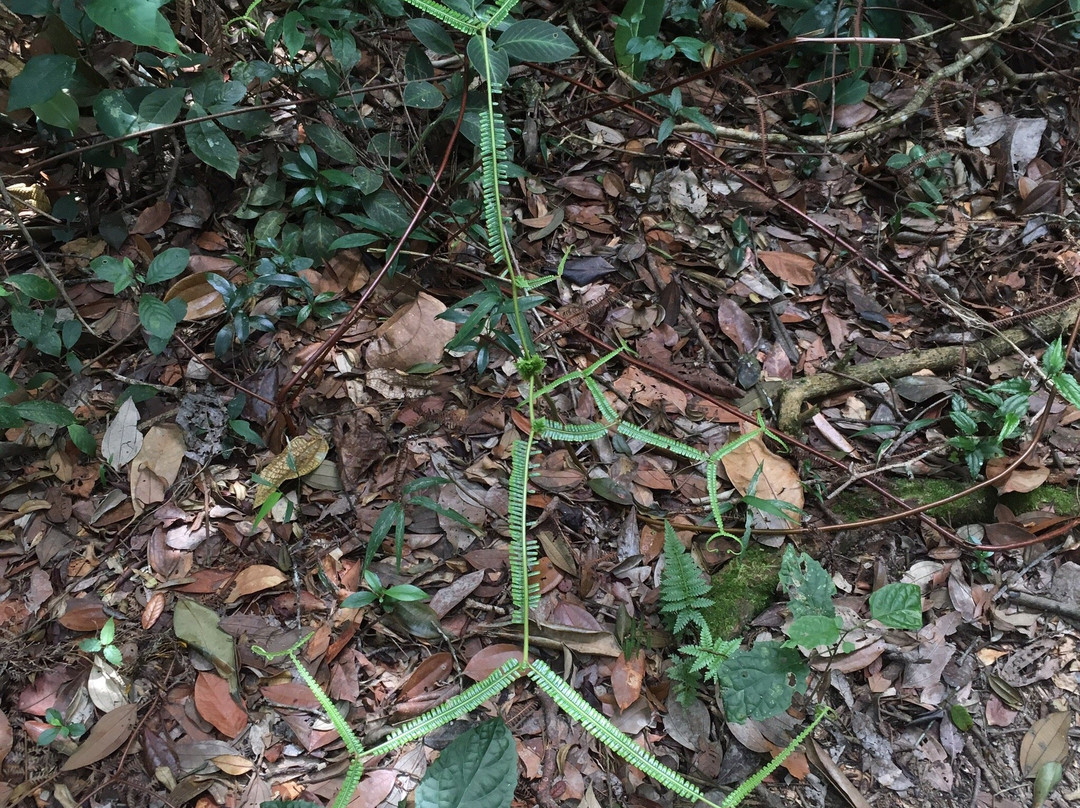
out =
column 215, row 703
column 374, row 789
column 153, row 610
column 648, row 391
column 427, row 674
column 84, row 614
column 737, row 325
column 490, row 658
column 154, row 469
column 798, row 270
column 255, row 578
column 302, row 456
column 109, row 734
column 202, row 299
column 778, row 479
column 232, row 764
column 412, row 336
column 1020, row 481
column 1046, row 741
column 152, row 217
column 626, row 678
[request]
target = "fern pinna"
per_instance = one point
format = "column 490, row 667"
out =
column 683, row 586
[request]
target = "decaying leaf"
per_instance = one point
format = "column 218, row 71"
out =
column 1046, row 741
column 302, row 456
column 108, row 735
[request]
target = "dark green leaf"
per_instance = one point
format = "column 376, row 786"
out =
column 210, row 144
column 82, row 439
column 43, row 77
column 477, row 770
column 422, row 95
column 45, row 412
column 156, row 317
column 33, row 286
column 536, row 41
column 759, row 683
column 432, row 36
column 167, row 264
column 60, row 110
column 319, row 233
column 812, row 630
column 137, row 21
column 332, row 142
column 358, row 600
column 809, row 586
column 898, row 605
column 161, row 106
column 493, row 65
column 406, row 592
column 1068, row 388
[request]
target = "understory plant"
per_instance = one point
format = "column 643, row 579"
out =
column 480, row 768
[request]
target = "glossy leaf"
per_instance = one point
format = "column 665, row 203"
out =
column 137, row 21
column 477, row 770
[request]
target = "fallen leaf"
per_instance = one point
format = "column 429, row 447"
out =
column 490, row 658
column 374, row 789
column 202, row 299
column 154, row 469
column 427, row 674
column 1046, row 741
column 214, row 701
column 798, row 270
column 5, row 737
column 109, row 734
column 626, row 678
column 412, row 336
column 232, row 764
column 777, row 480
column 122, row 440
column 152, row 611
column 255, row 578
column 302, row 456
column 152, row 217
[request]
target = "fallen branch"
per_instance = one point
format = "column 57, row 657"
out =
column 1046, row 327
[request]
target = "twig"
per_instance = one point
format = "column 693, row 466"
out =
column 855, row 476
column 1067, row 610
column 32, row 245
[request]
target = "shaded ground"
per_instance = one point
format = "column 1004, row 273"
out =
column 732, row 270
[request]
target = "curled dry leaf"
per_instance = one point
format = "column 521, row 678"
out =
column 153, row 610
column 412, row 336
column 232, row 764
column 255, row 578
column 302, row 456
column 202, row 299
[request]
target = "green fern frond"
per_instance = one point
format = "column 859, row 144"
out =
column 578, row 433
column 447, row 15
column 605, row 732
column 462, row 704
column 602, row 404
column 661, row 442
column 505, row 7
column 740, row 794
column 683, row 586
column 524, row 588
column 348, row 786
column 684, row 678
column 709, row 653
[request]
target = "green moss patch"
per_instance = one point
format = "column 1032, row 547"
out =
column 977, row 506
column 1062, row 500
column 741, row 589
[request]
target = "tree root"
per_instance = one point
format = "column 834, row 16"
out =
column 792, row 395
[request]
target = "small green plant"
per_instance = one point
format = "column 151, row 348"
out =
column 760, row 682
column 386, row 597
column 103, row 644
column 157, row 317
column 59, row 728
column 926, row 178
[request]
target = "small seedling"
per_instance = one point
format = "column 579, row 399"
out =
column 387, row 597
column 103, row 644
column 59, row 728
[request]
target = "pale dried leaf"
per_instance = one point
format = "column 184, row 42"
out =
column 412, row 336
column 109, row 734
column 122, row 440
column 255, row 578
column 1046, row 741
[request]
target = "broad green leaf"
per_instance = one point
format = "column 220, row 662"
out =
column 211, row 145
column 759, row 683
column 114, row 115
column 33, row 286
column 422, row 95
column 117, row 271
column 332, row 142
column 358, row 600
column 1053, row 360
column 492, row 64
column 386, row 210
column 810, row 588
column 432, row 36
column 898, row 605
column 536, row 41
column 82, row 439
column 156, row 317
column 406, row 592
column 353, row 240
column 1068, row 388
column 42, row 78
column 60, row 110
column 137, row 21
column 319, row 233
column 477, row 770
column 45, row 412
column 167, row 264
column 812, row 630
column 850, row 91
column 197, row 625
column 161, row 106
